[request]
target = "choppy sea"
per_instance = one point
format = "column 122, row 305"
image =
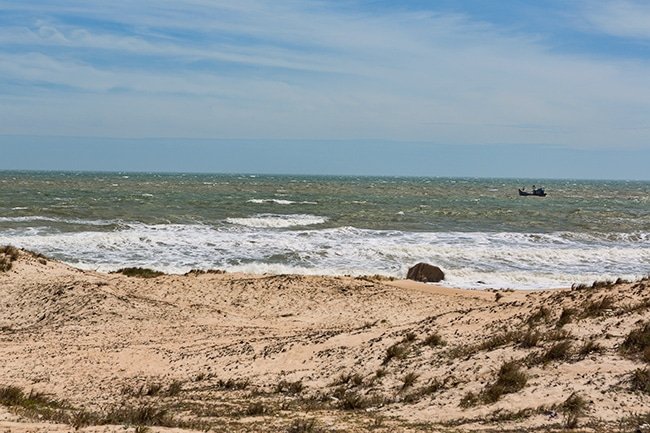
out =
column 479, row 231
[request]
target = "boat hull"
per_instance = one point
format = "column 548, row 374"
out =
column 534, row 194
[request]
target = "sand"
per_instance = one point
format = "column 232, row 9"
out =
column 268, row 353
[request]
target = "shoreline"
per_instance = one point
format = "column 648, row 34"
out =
column 263, row 352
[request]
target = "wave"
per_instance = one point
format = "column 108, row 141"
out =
column 277, row 201
column 277, row 221
column 473, row 259
column 77, row 221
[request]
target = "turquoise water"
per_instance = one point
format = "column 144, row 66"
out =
column 476, row 229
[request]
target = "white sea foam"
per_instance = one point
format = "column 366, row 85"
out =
column 277, row 221
column 278, row 201
column 34, row 218
column 469, row 259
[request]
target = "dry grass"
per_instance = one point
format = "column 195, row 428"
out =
column 509, row 379
column 637, row 342
column 139, row 272
column 8, row 255
column 641, row 380
column 434, row 340
column 396, row 351
column 409, row 380
column 573, row 408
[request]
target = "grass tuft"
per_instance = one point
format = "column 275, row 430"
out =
column 573, row 408
column 300, row 425
column 598, row 307
column 509, row 380
column 557, row 352
column 637, row 342
column 409, row 379
column 292, row 388
column 396, row 351
column 434, row 340
column 8, row 255
column 233, row 384
column 641, row 380
column 139, row 272
column 566, row 317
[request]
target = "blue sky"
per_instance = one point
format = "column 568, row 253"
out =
column 470, row 87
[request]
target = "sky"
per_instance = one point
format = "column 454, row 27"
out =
column 508, row 88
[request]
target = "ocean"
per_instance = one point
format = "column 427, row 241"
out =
column 479, row 231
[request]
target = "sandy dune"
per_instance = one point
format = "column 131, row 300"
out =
column 233, row 352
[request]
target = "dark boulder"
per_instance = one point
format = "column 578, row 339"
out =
column 425, row 273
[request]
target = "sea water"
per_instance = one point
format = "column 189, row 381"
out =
column 479, row 231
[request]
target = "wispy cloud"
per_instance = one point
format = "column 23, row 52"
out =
column 303, row 69
column 622, row 18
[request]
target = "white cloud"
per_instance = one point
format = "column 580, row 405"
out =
column 622, row 18
column 311, row 71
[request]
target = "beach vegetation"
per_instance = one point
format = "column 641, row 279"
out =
column 287, row 387
column 15, row 396
column 8, row 255
column 641, row 380
column 529, row 339
column 257, row 408
column 139, row 272
column 566, row 317
column 573, row 408
column 303, row 425
column 559, row 351
column 396, row 351
column 353, row 400
column 409, row 379
column 432, row 387
column 434, row 340
column 410, row 337
column 557, row 335
column 510, row 379
column 598, row 307
column 469, row 399
column 542, row 314
column 174, row 388
column 637, row 342
column 590, row 346
column 197, row 272
column 233, row 384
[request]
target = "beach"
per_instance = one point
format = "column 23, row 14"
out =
column 278, row 352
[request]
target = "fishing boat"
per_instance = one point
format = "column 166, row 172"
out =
column 539, row 192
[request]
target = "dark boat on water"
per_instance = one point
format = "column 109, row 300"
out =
column 539, row 192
